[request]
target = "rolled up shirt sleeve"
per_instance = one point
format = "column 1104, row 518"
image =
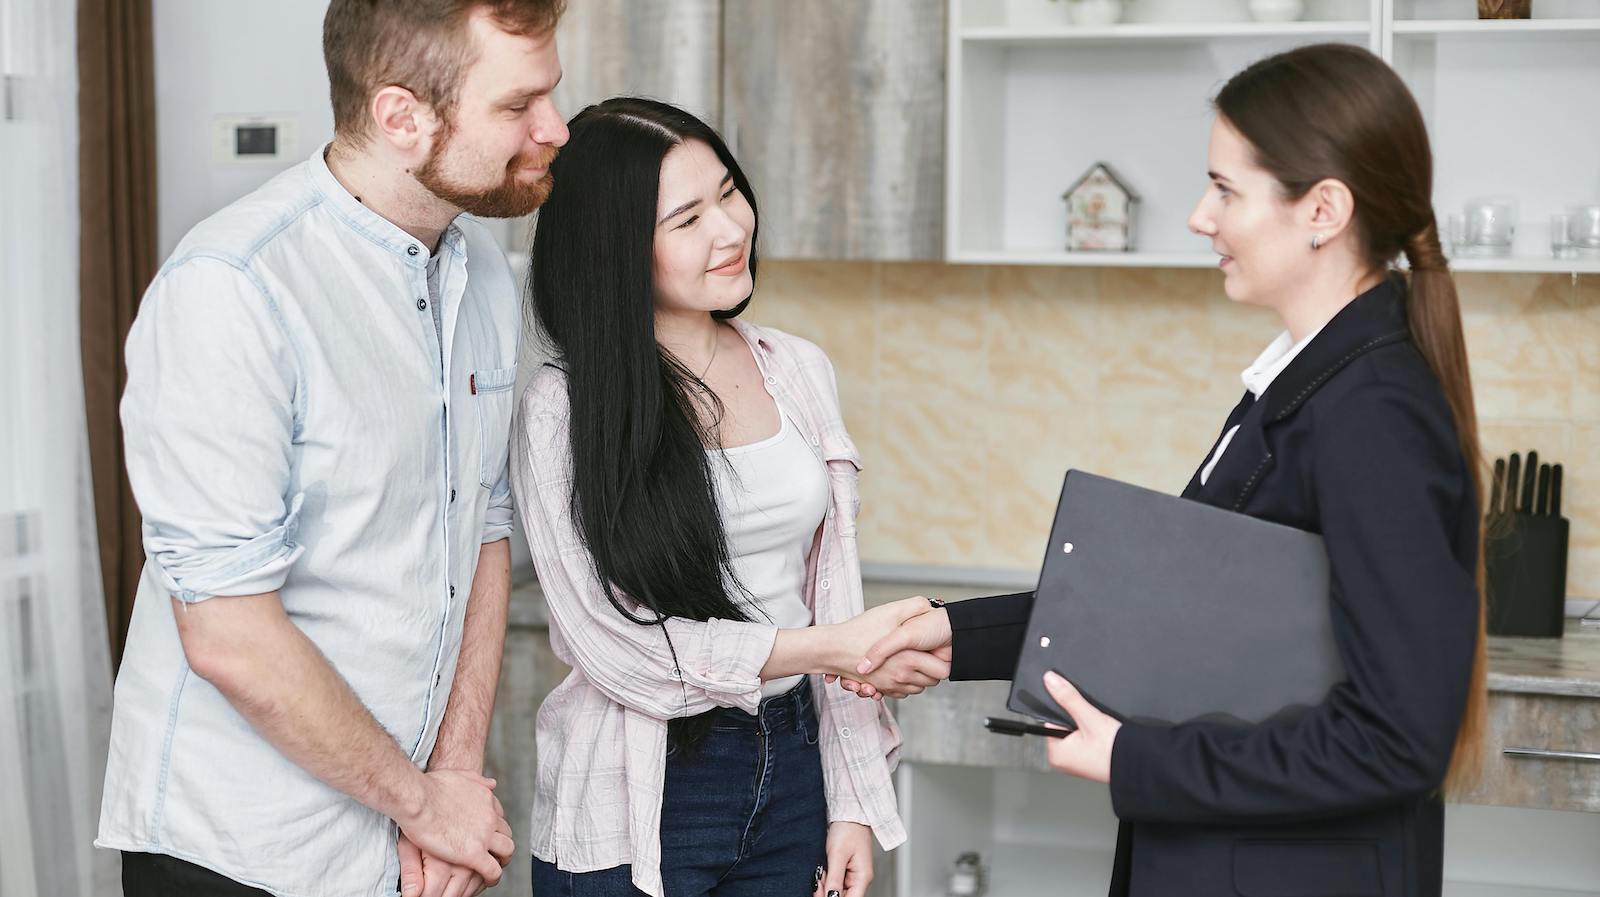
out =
column 209, row 420
column 497, row 520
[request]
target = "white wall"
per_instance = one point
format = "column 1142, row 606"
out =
column 230, row 58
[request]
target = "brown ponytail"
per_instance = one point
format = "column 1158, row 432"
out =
column 1337, row 111
column 1435, row 316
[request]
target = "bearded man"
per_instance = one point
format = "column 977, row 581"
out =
column 317, row 416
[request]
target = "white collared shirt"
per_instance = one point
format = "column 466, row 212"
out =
column 295, row 422
column 1257, row 377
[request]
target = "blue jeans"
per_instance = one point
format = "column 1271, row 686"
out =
column 743, row 816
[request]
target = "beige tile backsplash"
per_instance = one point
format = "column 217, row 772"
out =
column 970, row 389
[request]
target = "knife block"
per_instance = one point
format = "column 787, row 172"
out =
column 1525, row 556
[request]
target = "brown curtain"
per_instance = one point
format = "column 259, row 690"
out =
column 117, row 203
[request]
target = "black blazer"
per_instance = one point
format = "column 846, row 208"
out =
column 1353, row 440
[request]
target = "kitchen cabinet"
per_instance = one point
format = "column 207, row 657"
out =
column 835, row 110
column 669, row 51
column 1035, row 100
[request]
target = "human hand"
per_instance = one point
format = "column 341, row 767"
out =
column 849, row 868
column 462, row 824
column 849, row 641
column 425, row 876
column 1086, row 753
column 905, row 672
column 906, row 658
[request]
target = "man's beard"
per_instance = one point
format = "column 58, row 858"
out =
column 511, row 198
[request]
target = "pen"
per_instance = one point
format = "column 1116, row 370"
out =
column 1002, row 726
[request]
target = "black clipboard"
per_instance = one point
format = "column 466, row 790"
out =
column 1160, row 609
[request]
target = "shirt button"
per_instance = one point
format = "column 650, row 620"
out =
column 452, row 591
column 422, row 305
column 452, row 495
column 844, row 732
column 772, row 380
column 412, row 250
column 826, row 584
column 677, row 673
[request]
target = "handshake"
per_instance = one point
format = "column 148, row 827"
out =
column 902, row 648
column 893, row 650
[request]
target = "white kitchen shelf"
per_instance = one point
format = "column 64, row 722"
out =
column 1023, row 870
column 1029, row 107
column 1533, row 265
column 1481, row 889
column 1088, row 259
column 1497, row 27
column 1042, row 257
column 1141, row 31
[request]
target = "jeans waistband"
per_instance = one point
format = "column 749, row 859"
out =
column 789, row 708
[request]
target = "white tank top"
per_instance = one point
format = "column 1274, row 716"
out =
column 772, row 495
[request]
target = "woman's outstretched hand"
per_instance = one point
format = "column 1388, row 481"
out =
column 910, row 674
column 913, row 656
column 835, row 650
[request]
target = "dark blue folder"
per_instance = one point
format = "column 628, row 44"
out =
column 1162, row 609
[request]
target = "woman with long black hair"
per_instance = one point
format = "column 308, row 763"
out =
column 689, row 493
column 1357, row 424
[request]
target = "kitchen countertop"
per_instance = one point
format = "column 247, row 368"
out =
column 1548, row 666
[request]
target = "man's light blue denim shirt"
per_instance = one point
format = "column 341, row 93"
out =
column 288, row 427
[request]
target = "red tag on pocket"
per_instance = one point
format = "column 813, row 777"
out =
column 472, row 383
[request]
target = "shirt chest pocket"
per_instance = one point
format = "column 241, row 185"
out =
column 492, row 389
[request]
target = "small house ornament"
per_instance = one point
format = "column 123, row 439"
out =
column 1100, row 212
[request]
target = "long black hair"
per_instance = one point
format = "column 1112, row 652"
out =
column 642, row 493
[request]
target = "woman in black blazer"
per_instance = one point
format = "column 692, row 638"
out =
column 1358, row 425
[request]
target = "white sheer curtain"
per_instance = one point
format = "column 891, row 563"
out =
column 55, row 676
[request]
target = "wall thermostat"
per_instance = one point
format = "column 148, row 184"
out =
column 251, row 139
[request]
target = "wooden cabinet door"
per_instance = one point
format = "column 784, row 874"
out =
column 835, row 109
column 668, row 51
